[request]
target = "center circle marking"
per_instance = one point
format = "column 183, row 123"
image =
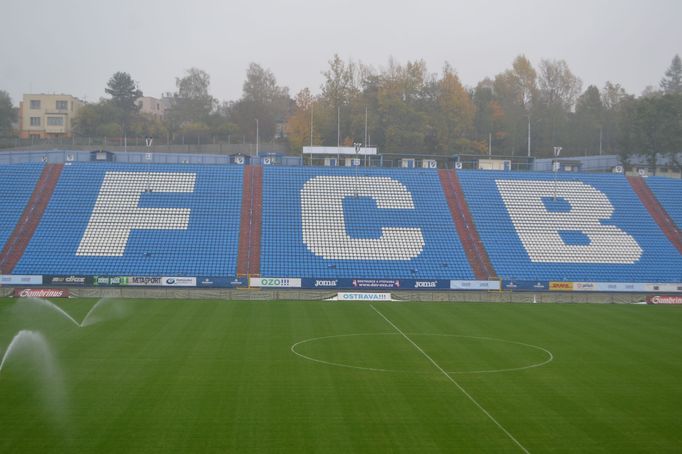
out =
column 549, row 356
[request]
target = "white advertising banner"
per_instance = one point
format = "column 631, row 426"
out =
column 275, row 282
column 474, row 285
column 359, row 296
column 179, row 281
column 18, row 279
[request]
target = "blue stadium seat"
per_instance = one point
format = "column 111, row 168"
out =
column 185, row 222
column 596, row 229
column 16, row 187
column 668, row 191
column 378, row 223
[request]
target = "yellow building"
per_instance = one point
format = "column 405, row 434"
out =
column 47, row 116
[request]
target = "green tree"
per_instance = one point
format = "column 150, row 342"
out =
column 558, row 90
column 516, row 90
column 124, row 92
column 612, row 97
column 263, row 100
column 589, row 114
column 652, row 127
column 192, row 102
column 8, row 113
column 671, row 84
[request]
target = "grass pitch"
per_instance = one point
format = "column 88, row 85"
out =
column 216, row 376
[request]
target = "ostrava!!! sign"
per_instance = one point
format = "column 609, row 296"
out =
column 41, row 293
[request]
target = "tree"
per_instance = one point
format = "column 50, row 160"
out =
column 8, row 113
column 124, row 92
column 455, row 114
column 612, row 97
column 589, row 113
column 192, row 102
column 652, row 127
column 516, row 91
column 672, row 83
column 558, row 90
column 263, row 100
column 488, row 122
column 298, row 124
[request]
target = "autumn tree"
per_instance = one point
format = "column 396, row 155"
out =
column 454, row 115
column 299, row 123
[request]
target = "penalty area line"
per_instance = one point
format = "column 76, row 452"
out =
column 452, row 380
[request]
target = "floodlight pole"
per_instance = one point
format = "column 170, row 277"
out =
column 555, row 167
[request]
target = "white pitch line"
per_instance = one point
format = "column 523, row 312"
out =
column 453, row 381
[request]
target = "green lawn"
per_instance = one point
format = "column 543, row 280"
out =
column 217, row 376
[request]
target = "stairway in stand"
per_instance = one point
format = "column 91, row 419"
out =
column 459, row 209
column 248, row 258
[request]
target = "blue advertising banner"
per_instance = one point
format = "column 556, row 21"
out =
column 376, row 284
column 221, row 282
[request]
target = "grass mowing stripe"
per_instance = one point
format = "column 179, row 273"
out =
column 452, row 380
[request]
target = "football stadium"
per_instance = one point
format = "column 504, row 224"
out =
column 244, row 306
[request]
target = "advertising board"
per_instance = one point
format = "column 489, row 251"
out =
column 275, row 282
column 179, row 281
column 41, row 293
column 664, row 299
column 375, row 283
column 474, row 285
column 558, row 286
column 362, row 296
column 663, row 288
column 20, row 279
column 74, row 281
column 525, row 286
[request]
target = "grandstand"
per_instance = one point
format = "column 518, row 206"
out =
column 219, row 223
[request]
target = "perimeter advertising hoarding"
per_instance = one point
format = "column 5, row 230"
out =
column 20, row 279
column 359, row 296
column 221, row 282
column 667, row 288
column 557, row 286
column 275, row 282
column 525, row 286
column 41, row 293
column 620, row 287
column 664, row 299
column 475, row 285
column 376, row 284
column 179, row 281
column 70, row 280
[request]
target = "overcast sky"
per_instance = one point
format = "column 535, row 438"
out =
column 74, row 46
